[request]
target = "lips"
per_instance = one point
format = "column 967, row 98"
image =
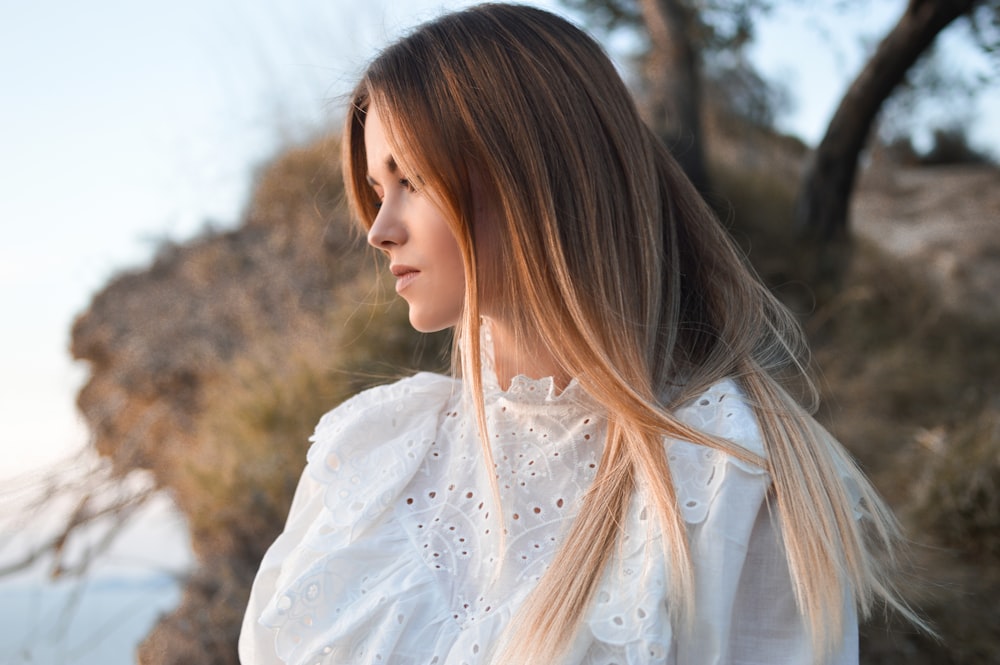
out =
column 404, row 275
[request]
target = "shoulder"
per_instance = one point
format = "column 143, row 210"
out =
column 414, row 398
column 384, row 426
column 708, row 481
column 415, row 393
column 365, row 451
column 723, row 411
column 719, row 498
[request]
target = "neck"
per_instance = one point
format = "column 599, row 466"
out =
column 513, row 356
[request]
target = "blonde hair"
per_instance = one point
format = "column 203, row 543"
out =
column 613, row 262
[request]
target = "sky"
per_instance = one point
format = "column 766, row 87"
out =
column 124, row 124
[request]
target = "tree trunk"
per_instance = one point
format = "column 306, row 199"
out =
column 821, row 211
column 672, row 73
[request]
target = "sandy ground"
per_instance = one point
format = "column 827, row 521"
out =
column 947, row 218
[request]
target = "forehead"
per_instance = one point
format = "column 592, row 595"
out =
column 376, row 143
column 379, row 152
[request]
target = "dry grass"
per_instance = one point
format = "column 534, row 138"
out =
column 236, row 482
column 911, row 384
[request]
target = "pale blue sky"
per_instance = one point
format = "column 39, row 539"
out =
column 123, row 123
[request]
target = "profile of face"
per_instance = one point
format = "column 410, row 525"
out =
column 410, row 229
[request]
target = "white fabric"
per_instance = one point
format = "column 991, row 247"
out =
column 391, row 546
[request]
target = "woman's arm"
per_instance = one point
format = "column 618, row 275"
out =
column 746, row 610
column 256, row 644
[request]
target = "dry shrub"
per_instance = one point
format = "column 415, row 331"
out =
column 956, row 495
column 211, row 367
column 236, row 484
column 890, row 348
column 257, row 418
column 204, row 626
column 756, row 206
column 911, row 385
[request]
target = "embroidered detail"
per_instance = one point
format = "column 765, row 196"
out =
column 400, row 563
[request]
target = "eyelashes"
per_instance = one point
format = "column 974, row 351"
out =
column 413, row 185
column 405, row 183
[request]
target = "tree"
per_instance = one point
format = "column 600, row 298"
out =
column 679, row 35
column 672, row 73
column 821, row 211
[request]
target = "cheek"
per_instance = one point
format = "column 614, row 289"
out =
column 451, row 278
column 446, row 250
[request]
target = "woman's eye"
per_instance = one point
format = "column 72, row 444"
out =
column 405, row 182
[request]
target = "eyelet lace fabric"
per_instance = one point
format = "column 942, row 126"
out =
column 395, row 552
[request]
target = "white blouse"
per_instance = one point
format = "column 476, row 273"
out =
column 391, row 550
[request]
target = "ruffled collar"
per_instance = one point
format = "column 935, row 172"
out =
column 523, row 389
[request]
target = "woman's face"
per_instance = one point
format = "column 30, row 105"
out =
column 424, row 255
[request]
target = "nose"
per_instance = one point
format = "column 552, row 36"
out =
column 386, row 231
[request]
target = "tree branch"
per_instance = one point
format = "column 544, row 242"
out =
column 822, row 208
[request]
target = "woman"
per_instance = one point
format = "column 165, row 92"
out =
column 620, row 475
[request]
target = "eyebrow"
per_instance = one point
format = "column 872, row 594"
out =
column 390, row 164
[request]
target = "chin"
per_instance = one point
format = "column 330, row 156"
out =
column 427, row 324
column 424, row 326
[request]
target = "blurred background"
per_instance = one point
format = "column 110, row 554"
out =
column 183, row 294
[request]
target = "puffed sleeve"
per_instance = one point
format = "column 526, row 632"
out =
column 256, row 646
column 364, row 452
column 767, row 627
column 745, row 606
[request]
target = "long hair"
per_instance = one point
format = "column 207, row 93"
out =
column 609, row 258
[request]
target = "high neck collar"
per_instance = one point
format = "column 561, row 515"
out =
column 523, row 389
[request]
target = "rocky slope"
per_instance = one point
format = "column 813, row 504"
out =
column 210, row 367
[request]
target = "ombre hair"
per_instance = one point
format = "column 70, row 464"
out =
column 610, row 259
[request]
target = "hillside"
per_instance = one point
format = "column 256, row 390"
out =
column 944, row 219
column 211, row 366
column 910, row 359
